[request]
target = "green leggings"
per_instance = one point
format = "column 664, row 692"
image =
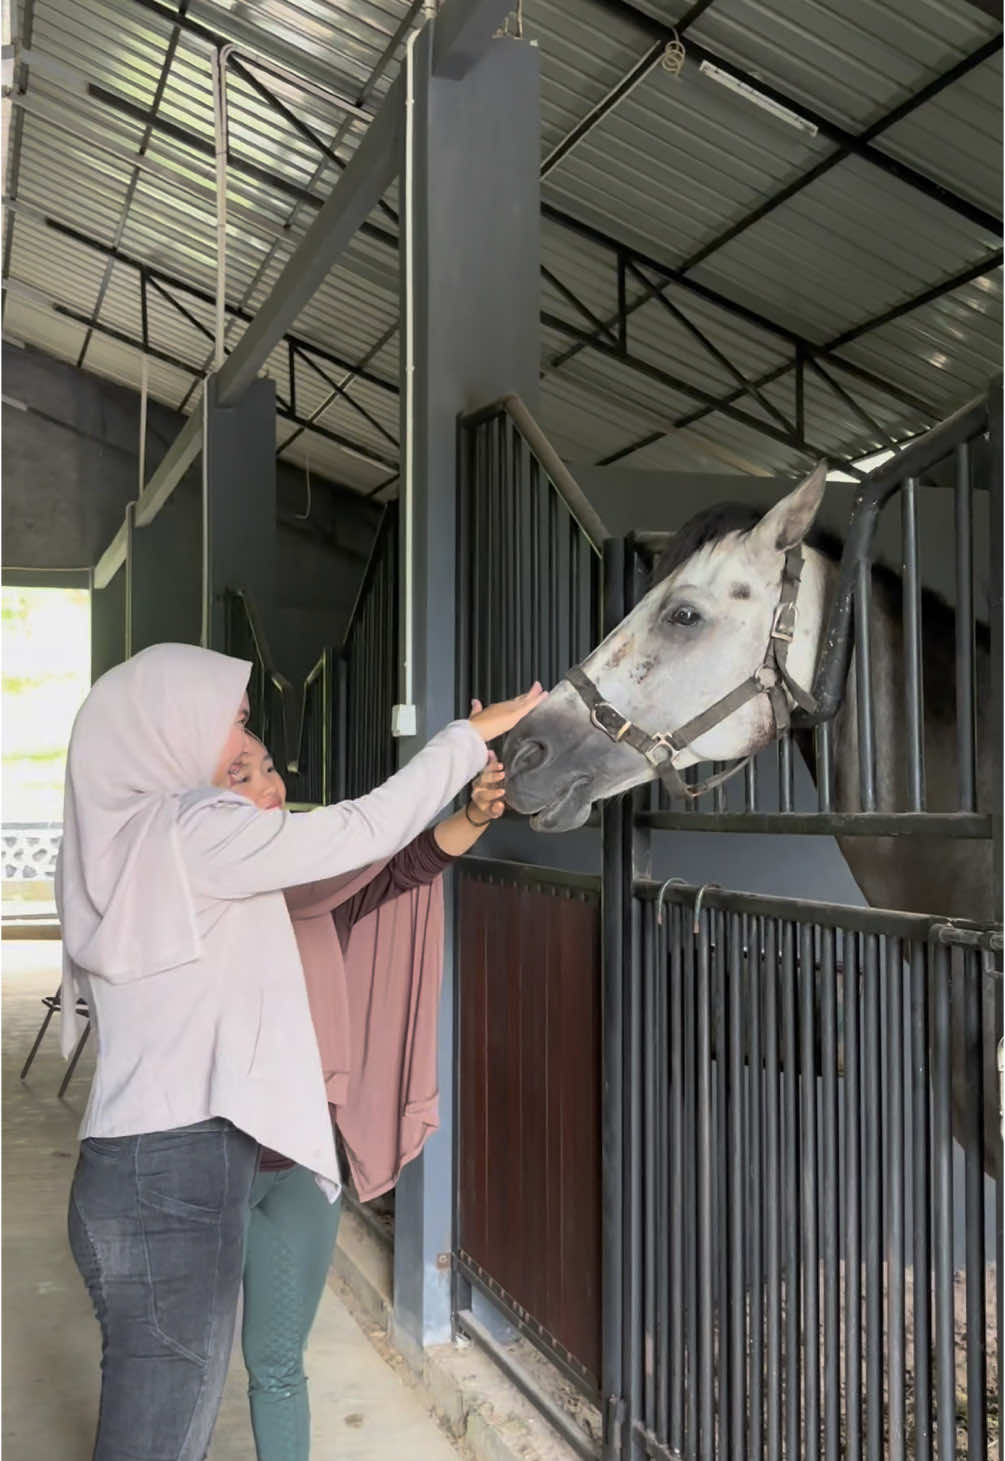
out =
column 291, row 1237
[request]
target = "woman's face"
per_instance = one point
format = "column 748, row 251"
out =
column 234, row 744
column 254, row 775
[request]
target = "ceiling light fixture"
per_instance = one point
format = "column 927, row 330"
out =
column 751, row 94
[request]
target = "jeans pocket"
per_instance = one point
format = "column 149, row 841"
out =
column 184, row 1172
column 192, row 1217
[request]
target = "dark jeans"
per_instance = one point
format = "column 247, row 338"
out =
column 157, row 1227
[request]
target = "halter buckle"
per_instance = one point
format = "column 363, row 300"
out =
column 783, row 625
column 665, row 743
column 608, row 718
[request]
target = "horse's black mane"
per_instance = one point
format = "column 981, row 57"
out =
column 710, row 525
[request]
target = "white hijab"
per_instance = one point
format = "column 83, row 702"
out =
column 150, row 729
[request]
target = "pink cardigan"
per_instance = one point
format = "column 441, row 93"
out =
column 375, row 1016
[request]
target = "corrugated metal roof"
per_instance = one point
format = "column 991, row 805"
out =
column 676, row 165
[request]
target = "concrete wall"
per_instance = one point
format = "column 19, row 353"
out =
column 70, row 467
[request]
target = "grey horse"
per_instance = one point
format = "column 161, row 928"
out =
column 699, row 636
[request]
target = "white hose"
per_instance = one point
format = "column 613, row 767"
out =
column 220, row 63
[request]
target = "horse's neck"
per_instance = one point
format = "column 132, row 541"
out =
column 944, row 875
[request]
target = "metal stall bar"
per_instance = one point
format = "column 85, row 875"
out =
column 966, row 743
column 913, row 681
column 616, row 935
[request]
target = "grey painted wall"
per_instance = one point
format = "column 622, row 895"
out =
column 70, row 467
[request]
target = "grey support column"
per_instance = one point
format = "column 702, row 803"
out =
column 474, row 311
column 239, row 504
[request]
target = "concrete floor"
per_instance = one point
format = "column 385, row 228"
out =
column 51, row 1346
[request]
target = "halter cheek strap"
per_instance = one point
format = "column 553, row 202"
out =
column 771, row 678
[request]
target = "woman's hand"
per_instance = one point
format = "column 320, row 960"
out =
column 488, row 793
column 496, row 720
column 459, row 833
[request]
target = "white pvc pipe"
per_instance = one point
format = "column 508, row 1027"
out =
column 220, row 62
column 408, row 445
column 144, row 389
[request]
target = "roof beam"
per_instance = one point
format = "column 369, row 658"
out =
column 464, row 29
column 848, row 143
column 173, row 281
column 811, row 354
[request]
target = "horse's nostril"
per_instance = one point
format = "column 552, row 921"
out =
column 529, row 755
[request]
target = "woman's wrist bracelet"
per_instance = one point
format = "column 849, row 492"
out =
column 479, row 825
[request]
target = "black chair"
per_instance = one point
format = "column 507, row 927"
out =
column 53, row 1003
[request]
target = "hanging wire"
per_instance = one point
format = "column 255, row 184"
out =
column 673, row 56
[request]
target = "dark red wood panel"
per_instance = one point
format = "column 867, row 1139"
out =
column 530, row 1080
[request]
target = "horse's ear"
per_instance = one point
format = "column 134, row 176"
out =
column 788, row 522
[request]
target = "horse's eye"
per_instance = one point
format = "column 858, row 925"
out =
column 685, row 616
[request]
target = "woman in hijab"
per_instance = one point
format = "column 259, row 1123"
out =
column 176, row 932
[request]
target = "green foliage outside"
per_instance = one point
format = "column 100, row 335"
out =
column 46, row 674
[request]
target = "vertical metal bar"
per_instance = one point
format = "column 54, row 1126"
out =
column 976, row 1297
column 528, row 523
column 872, row 1166
column 790, row 1202
column 575, row 653
column 704, row 1382
column 504, row 551
column 464, row 615
column 662, row 974
column 965, row 734
column 678, row 1193
column 722, row 1156
column 758, row 1186
column 538, row 618
column 475, row 606
column 785, row 782
column 896, row 1265
column 921, row 1205
column 651, row 976
column 914, row 710
column 863, row 687
column 942, row 1160
column 487, row 566
column 515, row 550
column 692, row 1157
column 996, row 709
column 555, row 662
column 733, row 1436
column 824, row 744
column 633, row 1304
column 852, row 1207
column 750, row 785
column 771, row 1195
column 831, row 1195
column 810, row 1195
column 614, row 898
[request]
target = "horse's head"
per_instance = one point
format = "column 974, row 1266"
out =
column 701, row 631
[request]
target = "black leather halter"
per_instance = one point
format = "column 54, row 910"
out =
column 771, row 678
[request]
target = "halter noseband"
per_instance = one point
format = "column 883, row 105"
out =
column 771, row 678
